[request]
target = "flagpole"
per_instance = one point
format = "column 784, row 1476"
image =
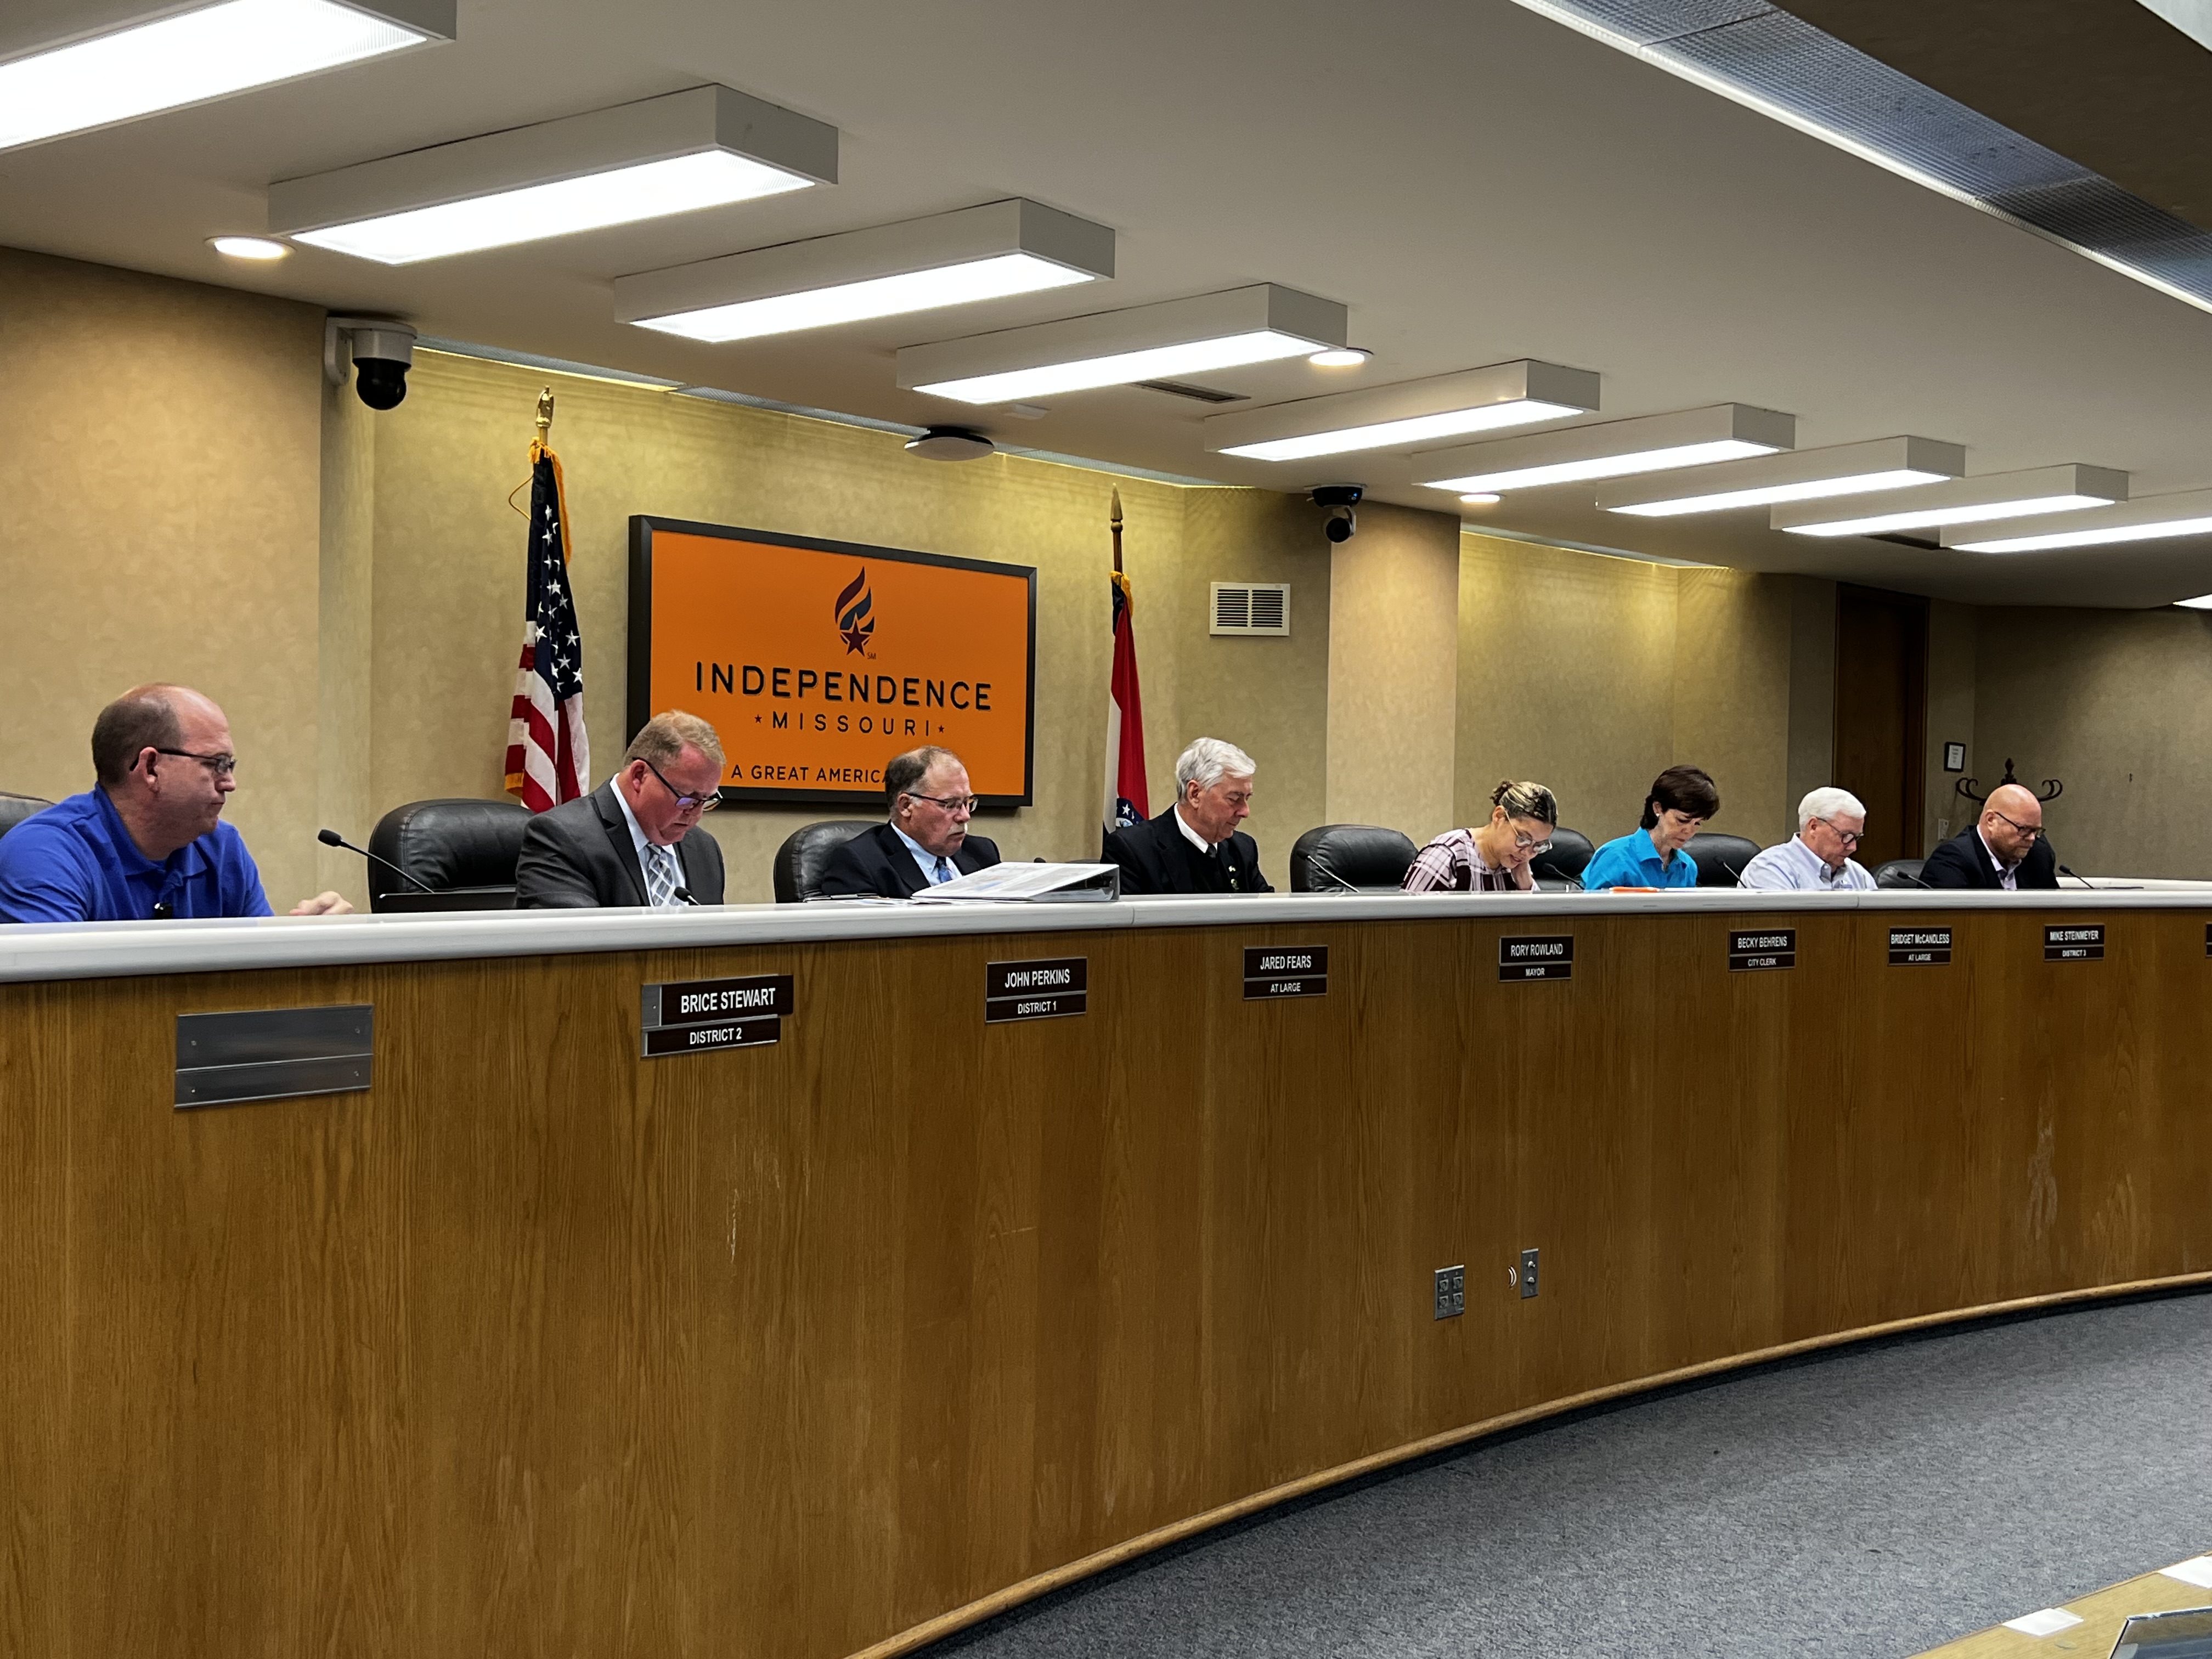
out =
column 1114, row 519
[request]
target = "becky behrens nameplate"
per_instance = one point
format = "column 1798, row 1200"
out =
column 1750, row 953
column 1051, row 989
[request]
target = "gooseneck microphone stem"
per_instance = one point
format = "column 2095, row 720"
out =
column 331, row 838
column 2084, row 880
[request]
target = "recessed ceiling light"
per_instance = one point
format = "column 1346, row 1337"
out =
column 1340, row 357
column 151, row 56
column 1480, row 498
column 1411, row 412
column 1808, row 475
column 2149, row 519
column 1964, row 500
column 248, row 247
column 1612, row 449
column 705, row 147
column 951, row 259
column 1257, row 324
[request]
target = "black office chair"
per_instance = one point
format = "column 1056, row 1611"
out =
column 467, row 848
column 1560, row 870
column 1332, row 857
column 805, row 854
column 1899, row 872
column 13, row 809
column 1720, row 859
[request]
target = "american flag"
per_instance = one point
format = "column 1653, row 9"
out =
column 549, row 759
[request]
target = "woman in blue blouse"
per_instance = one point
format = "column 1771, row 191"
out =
column 1681, row 800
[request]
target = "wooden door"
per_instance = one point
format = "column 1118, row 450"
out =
column 1881, row 715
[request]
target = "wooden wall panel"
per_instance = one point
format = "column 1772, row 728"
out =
column 538, row 1347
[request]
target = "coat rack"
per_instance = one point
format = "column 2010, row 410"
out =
column 2051, row 790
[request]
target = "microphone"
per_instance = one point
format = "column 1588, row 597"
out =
column 331, row 838
column 1914, row 879
column 1734, row 874
column 684, row 893
column 1323, row 870
column 2091, row 885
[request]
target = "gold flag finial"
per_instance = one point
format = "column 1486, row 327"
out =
column 545, row 417
column 1114, row 517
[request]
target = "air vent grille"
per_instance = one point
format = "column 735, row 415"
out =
column 1785, row 63
column 1199, row 394
column 1251, row 608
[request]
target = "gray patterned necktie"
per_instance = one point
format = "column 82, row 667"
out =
column 660, row 875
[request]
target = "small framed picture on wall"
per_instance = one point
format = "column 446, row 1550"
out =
column 1955, row 757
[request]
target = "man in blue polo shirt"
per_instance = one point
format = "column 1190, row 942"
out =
column 148, row 841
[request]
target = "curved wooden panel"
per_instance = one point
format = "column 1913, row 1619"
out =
column 830, row 1346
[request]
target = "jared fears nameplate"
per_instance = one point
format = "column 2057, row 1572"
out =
column 1287, row 971
column 1050, row 989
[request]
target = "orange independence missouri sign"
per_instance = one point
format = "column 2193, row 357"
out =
column 818, row 661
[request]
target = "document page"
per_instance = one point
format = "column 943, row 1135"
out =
column 1014, row 881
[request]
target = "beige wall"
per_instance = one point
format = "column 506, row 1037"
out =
column 159, row 499
column 1952, row 632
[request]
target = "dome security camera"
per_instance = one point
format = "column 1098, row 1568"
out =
column 382, row 350
column 1340, row 500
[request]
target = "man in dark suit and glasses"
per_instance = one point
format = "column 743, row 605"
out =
column 1194, row 846
column 635, row 840
column 2005, row 850
column 927, row 842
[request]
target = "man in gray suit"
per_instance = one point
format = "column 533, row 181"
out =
column 635, row 839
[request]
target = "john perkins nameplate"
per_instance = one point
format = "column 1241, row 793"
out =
column 1050, row 989
column 2074, row 943
column 1777, row 947
column 1536, row 955
column 1287, row 971
column 697, row 1016
column 1912, row 947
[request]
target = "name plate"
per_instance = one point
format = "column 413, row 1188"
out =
column 1912, row 947
column 2074, row 943
column 1776, row 948
column 1536, row 955
column 1287, row 971
column 1053, row 989
column 699, row 1015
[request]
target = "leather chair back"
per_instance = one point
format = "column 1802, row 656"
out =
column 1332, row 857
column 452, row 844
column 799, row 861
column 1899, row 872
column 1720, row 859
column 13, row 809
column 1560, row 870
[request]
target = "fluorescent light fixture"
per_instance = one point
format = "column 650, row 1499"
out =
column 116, row 60
column 248, row 247
column 1612, row 449
column 1808, row 475
column 1964, row 500
column 1257, row 324
column 2201, row 601
column 951, row 258
column 2152, row 519
column 1411, row 412
column 705, row 147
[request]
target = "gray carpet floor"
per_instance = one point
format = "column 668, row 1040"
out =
column 1877, row 1501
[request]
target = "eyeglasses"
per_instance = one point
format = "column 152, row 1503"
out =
column 2032, row 831
column 222, row 766
column 950, row 803
column 1529, row 845
column 1849, row 837
column 685, row 803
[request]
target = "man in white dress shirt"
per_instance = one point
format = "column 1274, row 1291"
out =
column 1817, row 858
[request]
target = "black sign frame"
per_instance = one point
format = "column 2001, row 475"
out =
column 1275, row 971
column 2069, row 948
column 1761, row 950
column 1005, row 1000
column 1919, row 947
column 1525, row 956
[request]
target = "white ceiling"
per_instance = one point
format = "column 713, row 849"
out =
column 1476, row 183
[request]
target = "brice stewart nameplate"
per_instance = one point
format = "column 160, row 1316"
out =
column 1051, row 989
column 1776, row 948
column 1911, row 947
column 698, row 1016
column 1536, row 955
column 717, row 1001
column 2074, row 943
column 1287, row 971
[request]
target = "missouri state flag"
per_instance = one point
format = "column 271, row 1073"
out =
column 1126, row 800
column 549, row 759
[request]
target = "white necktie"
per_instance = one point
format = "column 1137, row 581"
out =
column 660, row 875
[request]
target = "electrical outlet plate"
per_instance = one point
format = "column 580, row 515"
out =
column 1451, row 1291
column 1527, row 1274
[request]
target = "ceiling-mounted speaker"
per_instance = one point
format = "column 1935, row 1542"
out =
column 951, row 443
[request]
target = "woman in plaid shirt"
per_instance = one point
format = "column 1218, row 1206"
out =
column 1493, row 859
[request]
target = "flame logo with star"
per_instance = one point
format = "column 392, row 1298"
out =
column 855, row 626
